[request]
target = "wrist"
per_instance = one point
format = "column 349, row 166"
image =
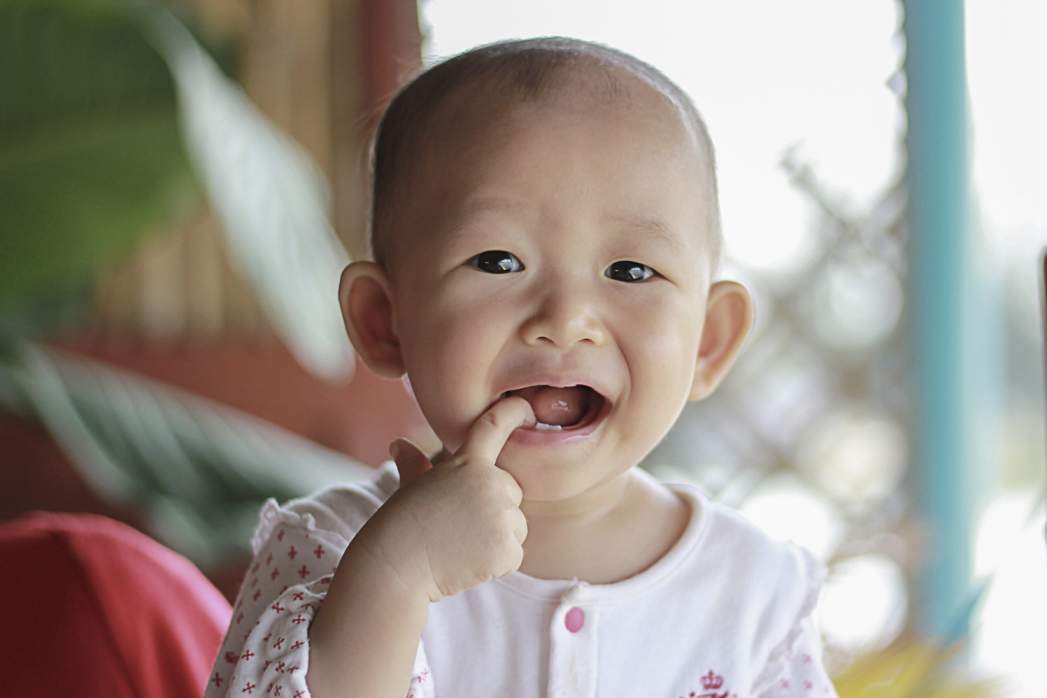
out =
column 399, row 567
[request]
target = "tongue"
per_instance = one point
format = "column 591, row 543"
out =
column 561, row 406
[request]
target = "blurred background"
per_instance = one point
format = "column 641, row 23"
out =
column 182, row 182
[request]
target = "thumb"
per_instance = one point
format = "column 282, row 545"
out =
column 411, row 463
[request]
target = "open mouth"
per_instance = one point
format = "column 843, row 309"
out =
column 565, row 409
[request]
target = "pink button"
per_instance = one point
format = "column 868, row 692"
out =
column 574, row 620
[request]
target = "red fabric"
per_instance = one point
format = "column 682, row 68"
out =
column 92, row 607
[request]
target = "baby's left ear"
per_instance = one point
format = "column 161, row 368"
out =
column 728, row 319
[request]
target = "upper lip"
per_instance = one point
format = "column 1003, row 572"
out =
column 563, row 380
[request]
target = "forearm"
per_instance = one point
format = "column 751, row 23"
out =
column 365, row 636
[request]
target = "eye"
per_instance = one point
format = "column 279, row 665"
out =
column 496, row 262
column 634, row 271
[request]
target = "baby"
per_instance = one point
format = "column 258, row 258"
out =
column 546, row 235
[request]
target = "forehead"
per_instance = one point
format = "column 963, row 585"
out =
column 486, row 150
column 633, row 137
column 481, row 107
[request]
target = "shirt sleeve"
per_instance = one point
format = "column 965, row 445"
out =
column 794, row 665
column 798, row 670
column 266, row 648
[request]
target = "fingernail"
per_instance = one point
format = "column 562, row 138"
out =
column 395, row 449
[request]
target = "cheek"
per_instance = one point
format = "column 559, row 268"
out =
column 664, row 337
column 448, row 356
column 661, row 357
column 662, row 362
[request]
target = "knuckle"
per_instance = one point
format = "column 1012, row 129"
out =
column 509, row 482
column 514, row 530
column 490, row 417
column 510, row 523
column 514, row 558
column 520, row 533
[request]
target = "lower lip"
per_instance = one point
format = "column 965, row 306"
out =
column 533, row 437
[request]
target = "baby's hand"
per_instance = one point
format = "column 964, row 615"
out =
column 455, row 522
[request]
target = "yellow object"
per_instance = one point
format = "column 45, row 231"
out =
column 910, row 670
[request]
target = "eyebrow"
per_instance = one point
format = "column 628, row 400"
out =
column 492, row 203
column 653, row 228
column 649, row 227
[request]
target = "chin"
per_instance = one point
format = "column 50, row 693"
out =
column 549, row 478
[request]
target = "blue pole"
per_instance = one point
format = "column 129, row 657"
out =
column 944, row 304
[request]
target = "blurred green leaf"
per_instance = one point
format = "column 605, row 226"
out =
column 103, row 106
column 90, row 153
column 198, row 470
column 273, row 201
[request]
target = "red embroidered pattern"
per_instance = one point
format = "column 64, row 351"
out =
column 788, row 686
column 262, row 583
column 711, row 685
column 417, row 678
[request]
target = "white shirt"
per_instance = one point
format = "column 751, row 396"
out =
column 726, row 613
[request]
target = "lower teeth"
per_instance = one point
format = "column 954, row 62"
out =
column 542, row 426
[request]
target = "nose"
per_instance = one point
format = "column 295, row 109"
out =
column 566, row 314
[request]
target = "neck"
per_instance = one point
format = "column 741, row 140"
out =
column 605, row 535
column 582, row 536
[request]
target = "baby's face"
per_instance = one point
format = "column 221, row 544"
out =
column 556, row 237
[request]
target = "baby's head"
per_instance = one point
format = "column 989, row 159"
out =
column 478, row 86
column 545, row 212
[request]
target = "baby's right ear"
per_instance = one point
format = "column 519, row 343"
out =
column 365, row 296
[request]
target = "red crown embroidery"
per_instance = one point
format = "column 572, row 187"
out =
column 712, row 681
